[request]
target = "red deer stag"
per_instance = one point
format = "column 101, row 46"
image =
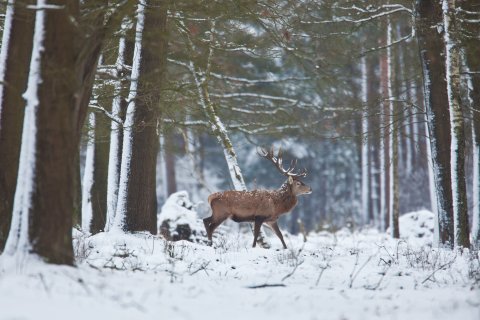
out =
column 258, row 206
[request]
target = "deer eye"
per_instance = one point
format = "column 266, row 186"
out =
column 298, row 183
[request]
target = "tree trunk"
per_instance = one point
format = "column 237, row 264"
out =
column 431, row 49
column 137, row 200
column 44, row 196
column 459, row 188
column 169, row 154
column 88, row 179
column 384, row 143
column 365, row 146
column 14, row 66
column 471, row 41
column 393, row 143
column 100, row 168
column 119, row 109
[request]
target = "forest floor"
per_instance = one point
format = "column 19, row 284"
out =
column 342, row 275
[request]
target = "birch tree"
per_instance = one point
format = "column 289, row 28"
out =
column 14, row 62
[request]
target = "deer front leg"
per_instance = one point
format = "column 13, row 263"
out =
column 276, row 229
column 256, row 230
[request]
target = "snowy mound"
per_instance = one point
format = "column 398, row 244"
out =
column 417, row 225
column 178, row 220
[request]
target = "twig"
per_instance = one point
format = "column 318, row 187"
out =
column 321, row 273
column 293, row 271
column 266, row 285
column 202, row 267
column 354, row 276
column 438, row 269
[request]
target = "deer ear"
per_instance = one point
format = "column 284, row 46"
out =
column 290, row 180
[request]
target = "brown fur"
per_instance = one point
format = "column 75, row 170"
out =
column 254, row 206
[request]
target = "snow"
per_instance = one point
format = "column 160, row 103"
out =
column 18, row 242
column 87, row 210
column 178, row 209
column 418, row 226
column 344, row 275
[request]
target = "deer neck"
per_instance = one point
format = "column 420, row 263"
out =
column 286, row 199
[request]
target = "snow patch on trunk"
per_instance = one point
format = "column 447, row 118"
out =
column 87, row 210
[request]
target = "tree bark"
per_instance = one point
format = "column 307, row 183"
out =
column 471, row 43
column 365, row 147
column 15, row 60
column 119, row 109
column 393, row 142
column 137, row 204
column 169, row 155
column 384, row 143
column 100, row 168
column 459, row 188
column 431, row 49
column 42, row 220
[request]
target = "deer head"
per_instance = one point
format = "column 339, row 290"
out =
column 293, row 178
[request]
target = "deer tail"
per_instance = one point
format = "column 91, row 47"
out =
column 212, row 197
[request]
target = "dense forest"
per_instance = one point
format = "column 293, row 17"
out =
column 108, row 107
column 344, row 134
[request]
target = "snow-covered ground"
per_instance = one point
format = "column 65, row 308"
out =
column 345, row 275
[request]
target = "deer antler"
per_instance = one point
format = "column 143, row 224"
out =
column 278, row 162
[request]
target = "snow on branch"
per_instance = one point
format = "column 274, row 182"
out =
column 108, row 114
column 294, row 102
column 45, row 7
column 358, row 21
column 388, row 45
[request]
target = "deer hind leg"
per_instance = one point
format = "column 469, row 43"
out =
column 276, row 229
column 211, row 223
column 256, row 229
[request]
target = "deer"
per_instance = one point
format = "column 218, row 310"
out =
column 259, row 206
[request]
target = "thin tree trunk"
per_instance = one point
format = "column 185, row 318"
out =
column 100, row 168
column 169, row 156
column 365, row 146
column 431, row 49
column 393, row 144
column 14, row 66
column 384, row 144
column 459, row 188
column 374, row 124
column 119, row 108
column 88, row 176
